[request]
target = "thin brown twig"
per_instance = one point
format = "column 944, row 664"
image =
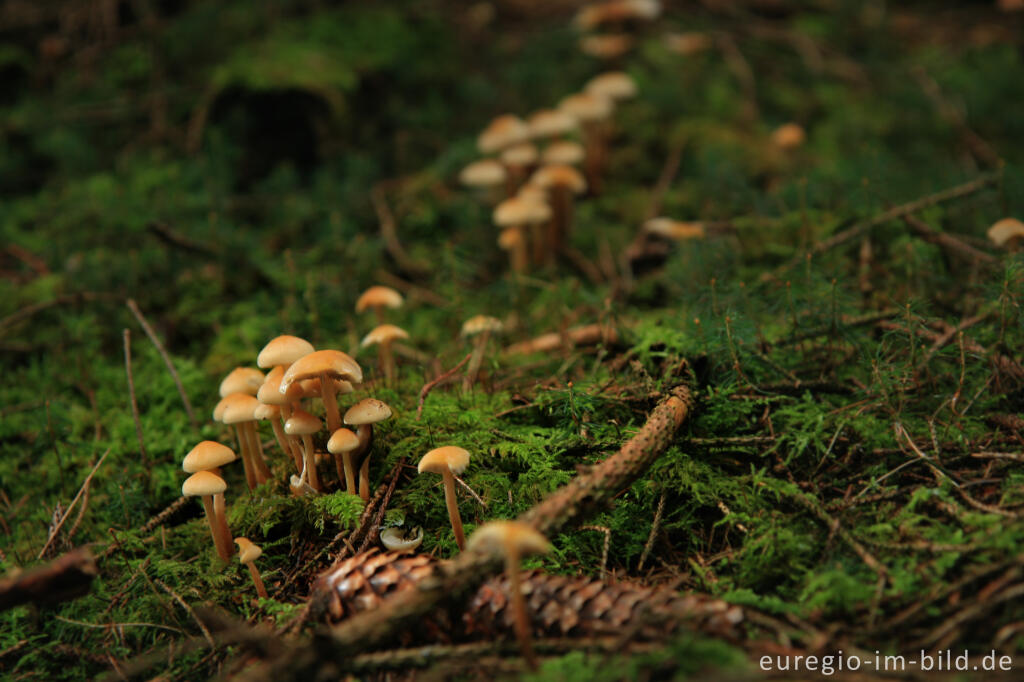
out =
column 167, row 361
column 81, row 491
column 431, row 385
column 177, row 597
column 655, row 527
column 132, row 399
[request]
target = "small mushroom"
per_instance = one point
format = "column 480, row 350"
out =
column 272, row 413
column 675, row 230
column 379, row 297
column 240, row 412
column 248, row 553
column 504, row 131
column 564, row 152
column 270, row 394
column 788, row 136
column 512, row 540
column 524, row 214
column 593, row 113
column 1007, row 233
column 448, row 461
column 383, row 336
column 551, row 124
column 325, row 365
column 562, row 182
column 204, row 485
column 211, row 456
column 616, row 85
column 342, row 444
column 241, row 380
column 479, row 328
column 304, row 424
column 401, row 539
column 488, row 176
column 363, row 415
column 519, row 159
column 282, row 351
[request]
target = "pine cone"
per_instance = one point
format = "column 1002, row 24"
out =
column 557, row 605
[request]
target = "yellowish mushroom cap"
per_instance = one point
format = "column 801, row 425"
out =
column 207, row 455
column 511, row 238
column 675, row 230
column 1005, row 231
column 342, row 440
column 504, row 537
column 382, row 334
column 518, row 210
column 378, row 297
column 203, row 483
column 283, row 350
column 551, row 123
column 302, row 423
column 333, row 363
column 483, row 173
column 240, row 407
column 560, row 175
column 616, row 85
column 788, row 136
column 270, row 391
column 563, row 152
column 248, row 551
column 587, row 107
column 522, row 154
column 265, row 411
column 504, row 131
column 449, row 457
column 367, row 411
column 241, row 380
column 479, row 324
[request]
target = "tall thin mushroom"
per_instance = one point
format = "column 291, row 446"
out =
column 448, row 461
column 383, row 336
column 363, row 415
column 204, row 485
column 304, row 424
column 342, row 444
column 325, row 365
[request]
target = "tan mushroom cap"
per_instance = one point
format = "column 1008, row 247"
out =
column 504, row 131
column 479, row 324
column 511, row 238
column 203, row 483
column 207, row 455
column 522, row 154
column 551, row 123
column 342, row 440
column 533, row 193
column 265, row 411
column 560, row 175
column 270, row 391
column 248, row 551
column 378, row 296
column 367, row 411
column 563, row 152
column 519, row 211
column 382, row 334
column 240, row 408
column 302, row 423
column 587, row 107
column 504, row 537
column 676, row 230
column 218, row 409
column 448, row 458
column 241, row 380
column 606, row 46
column 333, row 363
column 616, row 85
column 483, row 173
column 788, row 136
column 283, row 350
column 1006, row 231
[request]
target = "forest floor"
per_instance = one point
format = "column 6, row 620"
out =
column 182, row 182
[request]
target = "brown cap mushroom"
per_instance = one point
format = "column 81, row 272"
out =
column 788, row 136
column 504, row 131
column 563, row 152
column 379, row 297
column 1008, row 232
column 304, row 424
column 675, row 230
column 241, row 380
column 617, row 12
column 206, row 456
column 248, row 553
column 562, row 182
column 481, row 327
column 204, row 485
column 342, row 444
column 615, row 85
column 325, row 364
column 363, row 415
column 551, row 123
column 483, row 173
column 384, row 335
column 283, row 351
column 448, row 461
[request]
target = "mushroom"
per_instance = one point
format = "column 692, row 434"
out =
column 270, row 394
column 512, row 540
column 240, row 412
column 562, row 182
column 593, row 112
column 513, row 240
column 384, row 335
column 551, row 124
column 615, row 85
column 524, row 214
column 272, row 413
column 480, row 328
column 518, row 160
column 1008, row 232
column 448, row 461
column 211, row 456
column 281, row 351
column 325, row 364
column 788, row 136
column 363, row 415
column 675, row 230
column 565, row 152
column 401, row 539
column 241, row 380
column 248, row 553
column 379, row 297
column 204, row 485
column 342, row 444
column 487, row 175
column 304, row 424
column 504, row 131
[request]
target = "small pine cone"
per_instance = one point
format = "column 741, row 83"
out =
column 561, row 606
column 558, row 606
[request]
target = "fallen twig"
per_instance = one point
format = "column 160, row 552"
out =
column 577, row 336
column 81, row 491
column 133, row 400
column 61, row 580
column 431, row 385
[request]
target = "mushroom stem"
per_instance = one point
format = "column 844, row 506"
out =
column 453, row 508
column 261, row 589
column 310, row 463
column 522, row 619
column 293, row 441
column 328, row 394
column 387, row 361
column 479, row 345
column 211, row 518
column 243, row 450
column 260, row 469
column 593, row 159
column 365, row 449
column 537, row 243
column 282, row 439
column 220, row 510
column 561, row 217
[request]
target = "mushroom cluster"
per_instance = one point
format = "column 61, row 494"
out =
column 541, row 164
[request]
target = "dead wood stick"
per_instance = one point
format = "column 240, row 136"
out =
column 951, row 243
column 431, row 385
column 133, row 401
column 1002, row 363
column 455, row 582
column 861, row 227
column 63, row 579
column 577, row 336
column 81, row 491
column 167, row 360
